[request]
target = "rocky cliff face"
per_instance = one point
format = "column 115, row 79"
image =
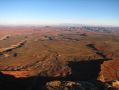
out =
column 109, row 70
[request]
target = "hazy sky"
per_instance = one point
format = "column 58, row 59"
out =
column 93, row 12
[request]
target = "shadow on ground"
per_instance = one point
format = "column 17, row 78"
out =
column 81, row 71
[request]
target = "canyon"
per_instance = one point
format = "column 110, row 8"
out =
column 59, row 58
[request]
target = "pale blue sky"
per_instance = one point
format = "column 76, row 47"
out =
column 92, row 12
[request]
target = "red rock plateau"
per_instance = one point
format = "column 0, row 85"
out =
column 59, row 58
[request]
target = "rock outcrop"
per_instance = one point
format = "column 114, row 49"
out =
column 109, row 70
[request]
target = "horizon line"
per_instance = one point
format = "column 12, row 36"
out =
column 61, row 24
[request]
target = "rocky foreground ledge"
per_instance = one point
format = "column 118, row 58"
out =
column 81, row 85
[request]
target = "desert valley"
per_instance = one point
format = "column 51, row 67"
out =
column 59, row 58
